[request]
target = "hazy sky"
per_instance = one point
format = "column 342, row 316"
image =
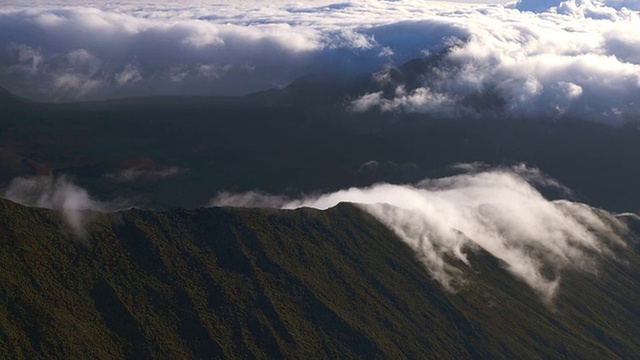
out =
column 542, row 58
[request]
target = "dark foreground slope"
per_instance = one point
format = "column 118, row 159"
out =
column 298, row 284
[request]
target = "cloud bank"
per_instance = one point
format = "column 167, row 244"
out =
column 577, row 58
column 496, row 210
column 58, row 194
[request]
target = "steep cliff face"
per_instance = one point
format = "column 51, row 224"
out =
column 225, row 282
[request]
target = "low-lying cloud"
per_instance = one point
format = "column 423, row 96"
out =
column 58, row 193
column 552, row 59
column 496, row 210
column 146, row 174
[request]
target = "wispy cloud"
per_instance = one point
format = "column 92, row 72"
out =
column 496, row 210
column 59, row 193
column 146, row 174
column 252, row 199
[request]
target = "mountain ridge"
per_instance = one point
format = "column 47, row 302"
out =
column 234, row 282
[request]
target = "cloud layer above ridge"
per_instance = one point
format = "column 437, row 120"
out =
column 577, row 58
column 499, row 211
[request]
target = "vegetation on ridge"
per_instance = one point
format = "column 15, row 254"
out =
column 240, row 283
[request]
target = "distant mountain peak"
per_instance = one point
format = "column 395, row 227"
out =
column 7, row 97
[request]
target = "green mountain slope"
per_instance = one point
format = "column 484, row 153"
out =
column 261, row 283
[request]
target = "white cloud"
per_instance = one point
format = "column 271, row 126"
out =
column 418, row 100
column 545, row 64
column 130, row 74
column 368, row 102
column 28, row 58
column 571, row 58
column 58, row 193
column 496, row 210
column 75, row 83
column 253, row 199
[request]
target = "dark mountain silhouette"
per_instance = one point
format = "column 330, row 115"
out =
column 8, row 100
column 277, row 144
column 6, row 95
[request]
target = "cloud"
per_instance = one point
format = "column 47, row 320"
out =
column 146, row 174
column 589, row 7
column 573, row 60
column 252, row 199
column 130, row 74
column 58, row 193
column 497, row 210
column 144, row 52
column 419, row 100
column 551, row 59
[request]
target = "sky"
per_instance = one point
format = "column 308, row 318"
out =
column 577, row 58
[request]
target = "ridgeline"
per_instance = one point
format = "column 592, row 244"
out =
column 257, row 283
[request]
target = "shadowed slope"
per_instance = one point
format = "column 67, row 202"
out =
column 226, row 282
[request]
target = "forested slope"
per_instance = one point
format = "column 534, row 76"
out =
column 246, row 283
